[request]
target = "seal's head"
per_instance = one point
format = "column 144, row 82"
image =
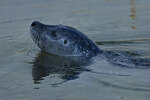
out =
column 62, row 40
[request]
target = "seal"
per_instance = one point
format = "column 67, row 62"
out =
column 63, row 40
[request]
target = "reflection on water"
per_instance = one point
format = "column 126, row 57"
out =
column 133, row 13
column 46, row 65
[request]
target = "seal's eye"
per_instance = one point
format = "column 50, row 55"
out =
column 65, row 41
column 53, row 33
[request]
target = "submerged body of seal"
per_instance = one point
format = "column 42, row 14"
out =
column 67, row 41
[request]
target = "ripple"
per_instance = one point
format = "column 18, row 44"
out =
column 123, row 42
column 111, row 84
column 18, row 20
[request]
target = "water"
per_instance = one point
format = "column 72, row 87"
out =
column 121, row 25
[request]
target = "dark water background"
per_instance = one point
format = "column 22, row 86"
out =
column 27, row 74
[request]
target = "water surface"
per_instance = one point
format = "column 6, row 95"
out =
column 28, row 74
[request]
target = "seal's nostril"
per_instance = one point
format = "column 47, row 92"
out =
column 33, row 24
